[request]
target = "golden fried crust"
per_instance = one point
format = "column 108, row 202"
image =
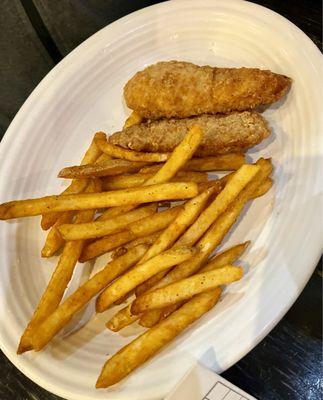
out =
column 235, row 132
column 181, row 89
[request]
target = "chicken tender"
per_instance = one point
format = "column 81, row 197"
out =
column 182, row 89
column 223, row 134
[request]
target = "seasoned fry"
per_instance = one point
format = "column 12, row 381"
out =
column 76, row 301
column 121, row 319
column 105, row 244
column 150, row 318
column 97, row 229
column 180, row 155
column 141, row 240
column 146, row 345
column 225, row 221
column 263, row 188
column 142, row 228
column 186, row 288
column 230, row 133
column 168, row 237
column 114, row 212
column 178, row 158
column 233, row 187
column 222, row 162
column 165, row 191
column 56, row 286
column 219, row 184
column 140, row 273
column 105, row 168
column 77, row 186
column 154, row 223
column 54, row 240
column 225, row 162
column 133, row 119
column 184, row 219
column 130, row 155
column 187, row 268
column 127, row 181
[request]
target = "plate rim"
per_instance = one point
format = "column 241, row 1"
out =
column 67, row 62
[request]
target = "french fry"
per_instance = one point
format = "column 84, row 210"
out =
column 224, row 222
column 121, row 319
column 223, row 162
column 76, row 186
column 165, row 191
column 105, row 244
column 226, row 257
column 106, row 168
column 263, row 188
column 133, row 119
column 186, row 288
column 127, row 181
column 95, row 229
column 181, row 272
column 130, row 155
column 190, row 267
column 145, row 346
column 154, row 279
column 141, row 240
column 217, row 185
column 179, row 157
column 185, row 218
column 56, row 286
column 137, row 229
column 187, row 268
column 77, row 300
column 234, row 186
column 114, row 212
column 54, row 240
column 154, row 223
column 140, row 273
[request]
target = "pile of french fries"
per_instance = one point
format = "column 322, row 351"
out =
column 162, row 264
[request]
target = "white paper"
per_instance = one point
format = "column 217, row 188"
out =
column 201, row 383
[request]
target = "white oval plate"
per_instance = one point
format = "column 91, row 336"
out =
column 84, row 94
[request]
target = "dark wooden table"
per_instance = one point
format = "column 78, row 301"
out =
column 34, row 36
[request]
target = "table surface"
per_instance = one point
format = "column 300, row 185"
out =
column 34, row 36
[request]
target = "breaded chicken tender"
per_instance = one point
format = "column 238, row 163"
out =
column 235, row 132
column 182, row 89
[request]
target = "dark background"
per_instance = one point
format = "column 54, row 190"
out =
column 34, row 36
